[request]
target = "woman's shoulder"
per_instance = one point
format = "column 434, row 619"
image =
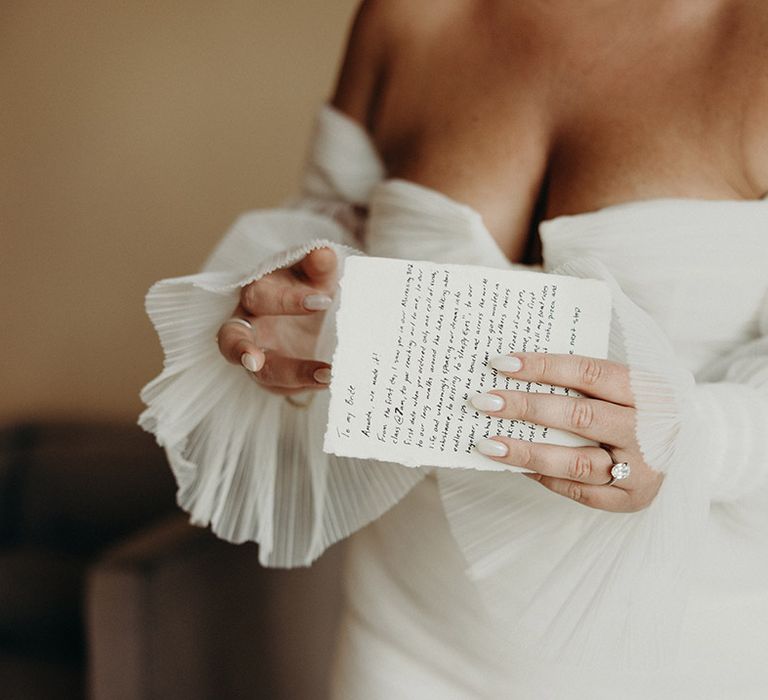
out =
column 402, row 19
column 380, row 31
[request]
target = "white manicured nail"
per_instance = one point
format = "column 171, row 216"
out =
column 317, row 302
column 250, row 362
column 491, row 448
column 322, row 375
column 506, row 363
column 487, row 402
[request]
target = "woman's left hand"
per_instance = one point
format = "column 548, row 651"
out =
column 605, row 413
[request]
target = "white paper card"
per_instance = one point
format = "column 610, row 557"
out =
column 414, row 340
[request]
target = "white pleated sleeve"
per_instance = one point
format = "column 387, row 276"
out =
column 249, row 464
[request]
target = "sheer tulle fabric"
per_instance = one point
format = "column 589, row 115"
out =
column 570, row 583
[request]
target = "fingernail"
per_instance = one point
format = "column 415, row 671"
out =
column 250, row 362
column 491, row 448
column 322, row 375
column 317, row 302
column 506, row 363
column 487, row 402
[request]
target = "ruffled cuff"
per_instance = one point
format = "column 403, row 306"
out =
column 248, row 463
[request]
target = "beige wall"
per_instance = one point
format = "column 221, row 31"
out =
column 131, row 136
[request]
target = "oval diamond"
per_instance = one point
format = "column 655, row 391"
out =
column 620, row 471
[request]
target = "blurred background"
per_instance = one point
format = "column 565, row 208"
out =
column 132, row 134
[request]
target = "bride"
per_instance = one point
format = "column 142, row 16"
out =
column 617, row 139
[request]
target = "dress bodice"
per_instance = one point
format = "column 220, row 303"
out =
column 698, row 267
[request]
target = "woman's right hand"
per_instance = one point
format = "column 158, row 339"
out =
column 285, row 309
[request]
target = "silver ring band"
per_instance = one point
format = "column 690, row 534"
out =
column 619, row 470
column 242, row 321
column 235, row 319
column 299, row 404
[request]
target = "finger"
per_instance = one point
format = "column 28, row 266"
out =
column 318, row 267
column 600, row 497
column 283, row 372
column 591, row 376
column 283, row 293
column 597, row 420
column 589, row 465
column 238, row 345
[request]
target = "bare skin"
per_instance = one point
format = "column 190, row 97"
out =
column 604, row 101
column 527, row 110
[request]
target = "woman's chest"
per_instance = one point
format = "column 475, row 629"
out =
column 531, row 135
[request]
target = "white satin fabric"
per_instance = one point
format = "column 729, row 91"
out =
column 485, row 584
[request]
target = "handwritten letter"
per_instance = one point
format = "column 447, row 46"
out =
column 414, row 340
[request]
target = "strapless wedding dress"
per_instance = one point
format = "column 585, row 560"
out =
column 466, row 584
